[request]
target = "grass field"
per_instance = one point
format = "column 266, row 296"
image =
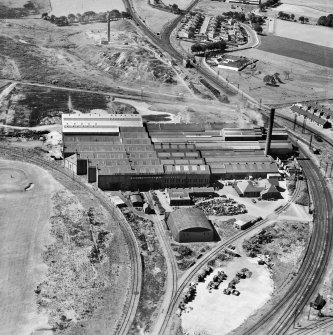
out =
column 323, row 5
column 65, row 7
column 297, row 49
column 300, row 10
column 305, row 32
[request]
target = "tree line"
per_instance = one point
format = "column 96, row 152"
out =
column 326, row 21
column 268, row 3
column 213, row 46
column 286, row 16
column 86, row 17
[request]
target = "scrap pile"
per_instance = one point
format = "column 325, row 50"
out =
column 217, row 280
column 221, row 206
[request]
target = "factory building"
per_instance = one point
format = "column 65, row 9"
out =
column 190, row 225
column 119, row 152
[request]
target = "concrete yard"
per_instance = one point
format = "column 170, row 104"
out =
column 216, row 313
column 24, row 231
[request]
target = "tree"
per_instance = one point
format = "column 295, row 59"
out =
column 301, row 19
column 306, row 19
column 258, row 28
column 322, row 21
column 292, row 16
column 175, row 8
column 89, row 16
column 115, row 14
column 269, row 80
column 197, row 47
column 45, row 16
column 277, row 77
column 286, row 74
column 71, row 18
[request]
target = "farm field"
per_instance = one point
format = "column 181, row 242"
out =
column 182, row 4
column 297, row 49
column 213, row 8
column 303, row 81
column 154, row 18
column 64, row 7
column 318, row 35
column 322, row 5
column 300, row 10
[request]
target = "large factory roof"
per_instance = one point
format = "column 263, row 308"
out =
column 98, row 123
column 114, row 170
column 91, row 139
column 151, row 127
column 171, row 146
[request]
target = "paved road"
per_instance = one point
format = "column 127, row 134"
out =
column 24, row 230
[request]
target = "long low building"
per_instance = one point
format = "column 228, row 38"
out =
column 124, row 155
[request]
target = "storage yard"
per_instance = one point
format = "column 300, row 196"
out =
column 214, row 312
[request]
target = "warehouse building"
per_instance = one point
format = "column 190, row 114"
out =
column 190, row 225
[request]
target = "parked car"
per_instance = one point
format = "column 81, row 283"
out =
column 254, row 201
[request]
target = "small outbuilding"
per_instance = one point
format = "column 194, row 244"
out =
column 190, row 225
column 178, row 197
column 270, row 192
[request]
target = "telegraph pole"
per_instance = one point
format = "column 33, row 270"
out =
column 303, row 126
column 295, row 119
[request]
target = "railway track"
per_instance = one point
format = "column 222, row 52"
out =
column 189, row 276
column 314, row 262
column 67, row 179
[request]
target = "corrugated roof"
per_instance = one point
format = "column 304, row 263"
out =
column 186, row 169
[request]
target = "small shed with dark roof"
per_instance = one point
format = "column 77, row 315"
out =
column 190, row 225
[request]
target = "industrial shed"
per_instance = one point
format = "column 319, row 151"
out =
column 190, row 225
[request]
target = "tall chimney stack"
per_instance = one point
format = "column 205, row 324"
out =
column 109, row 27
column 269, row 133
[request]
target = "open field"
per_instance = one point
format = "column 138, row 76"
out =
column 182, row 4
column 36, row 50
column 214, row 8
column 297, row 49
column 154, row 18
column 25, row 230
column 304, row 81
column 64, row 7
column 300, row 10
column 322, row 5
column 318, row 35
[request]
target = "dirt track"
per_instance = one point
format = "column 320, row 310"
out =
column 24, row 230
